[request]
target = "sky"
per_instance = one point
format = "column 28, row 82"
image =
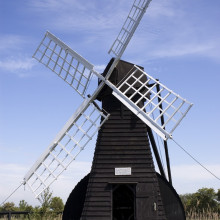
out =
column 177, row 42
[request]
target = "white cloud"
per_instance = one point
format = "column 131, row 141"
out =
column 12, row 176
column 167, row 29
column 70, row 178
column 81, row 15
column 19, row 66
column 190, row 178
column 100, row 68
column 10, row 42
column 171, row 31
column 183, row 49
column 186, row 179
column 18, row 63
column 161, row 8
column 195, row 172
column 180, row 47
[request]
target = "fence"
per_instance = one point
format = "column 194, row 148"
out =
column 11, row 215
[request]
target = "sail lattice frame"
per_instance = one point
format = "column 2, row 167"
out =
column 131, row 23
column 138, row 87
column 71, row 140
column 65, row 62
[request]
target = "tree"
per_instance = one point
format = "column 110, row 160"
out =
column 206, row 199
column 218, row 195
column 23, row 206
column 56, row 204
column 186, row 200
column 45, row 200
column 202, row 200
column 36, row 213
column 8, row 207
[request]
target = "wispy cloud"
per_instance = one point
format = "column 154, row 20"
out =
column 195, row 172
column 13, row 55
column 12, row 176
column 160, row 9
column 186, row 179
column 188, row 48
column 19, row 66
column 184, row 35
column 81, row 15
column 190, row 178
column 95, row 23
column 100, row 68
column 11, row 42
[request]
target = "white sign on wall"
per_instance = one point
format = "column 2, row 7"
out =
column 123, row 171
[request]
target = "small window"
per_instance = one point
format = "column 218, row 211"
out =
column 123, row 202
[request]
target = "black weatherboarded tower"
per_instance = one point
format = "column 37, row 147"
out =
column 123, row 183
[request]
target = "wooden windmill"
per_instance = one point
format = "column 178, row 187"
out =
column 123, row 183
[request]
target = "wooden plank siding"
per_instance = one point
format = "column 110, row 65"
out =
column 122, row 142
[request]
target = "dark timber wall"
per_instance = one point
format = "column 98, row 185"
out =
column 122, row 143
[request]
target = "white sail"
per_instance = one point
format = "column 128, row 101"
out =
column 65, row 62
column 131, row 23
column 67, row 145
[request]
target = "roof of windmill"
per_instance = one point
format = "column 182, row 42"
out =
column 120, row 72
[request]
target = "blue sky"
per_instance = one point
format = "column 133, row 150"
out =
column 176, row 41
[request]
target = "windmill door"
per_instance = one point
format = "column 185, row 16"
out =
column 123, row 202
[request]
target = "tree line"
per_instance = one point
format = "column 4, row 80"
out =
column 205, row 200
column 50, row 208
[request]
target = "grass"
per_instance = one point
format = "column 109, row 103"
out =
column 33, row 218
column 191, row 215
column 14, row 218
column 208, row 215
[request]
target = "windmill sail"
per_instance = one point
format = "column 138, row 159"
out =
column 71, row 140
column 138, row 86
column 131, row 23
column 65, row 62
